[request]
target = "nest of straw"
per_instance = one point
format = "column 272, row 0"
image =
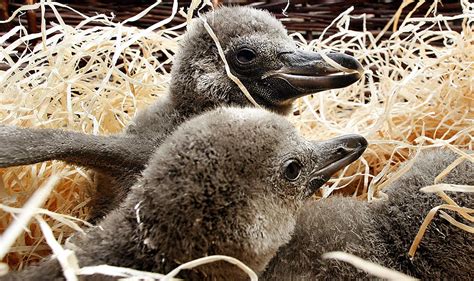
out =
column 415, row 95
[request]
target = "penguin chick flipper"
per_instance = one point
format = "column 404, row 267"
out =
column 110, row 155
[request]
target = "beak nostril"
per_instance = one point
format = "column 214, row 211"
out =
column 343, row 150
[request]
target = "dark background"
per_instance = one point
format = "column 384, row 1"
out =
column 306, row 17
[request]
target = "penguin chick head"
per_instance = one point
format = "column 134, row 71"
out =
column 261, row 54
column 230, row 182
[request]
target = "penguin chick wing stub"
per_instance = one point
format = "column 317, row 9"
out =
column 228, row 182
column 21, row 146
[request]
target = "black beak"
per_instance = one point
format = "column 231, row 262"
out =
column 308, row 72
column 340, row 152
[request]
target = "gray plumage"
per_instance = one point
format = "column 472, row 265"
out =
column 383, row 231
column 227, row 182
column 259, row 53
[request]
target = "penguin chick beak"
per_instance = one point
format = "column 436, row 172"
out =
column 341, row 152
column 308, row 72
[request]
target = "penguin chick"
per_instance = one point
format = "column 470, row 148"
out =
column 383, row 231
column 259, row 52
column 228, row 182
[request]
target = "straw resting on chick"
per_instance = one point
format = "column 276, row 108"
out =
column 258, row 51
column 228, row 182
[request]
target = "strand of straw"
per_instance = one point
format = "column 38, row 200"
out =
column 367, row 266
column 210, row 259
column 28, row 211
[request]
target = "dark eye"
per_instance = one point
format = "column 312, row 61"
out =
column 292, row 170
column 246, row 56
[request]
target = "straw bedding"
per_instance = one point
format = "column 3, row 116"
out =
column 414, row 95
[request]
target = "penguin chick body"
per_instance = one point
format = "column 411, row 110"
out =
column 383, row 231
column 258, row 51
column 228, row 182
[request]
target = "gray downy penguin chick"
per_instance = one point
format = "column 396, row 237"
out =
column 227, row 182
column 259, row 52
column 383, row 231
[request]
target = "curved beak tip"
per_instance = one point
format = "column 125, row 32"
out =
column 347, row 62
column 356, row 142
column 346, row 65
